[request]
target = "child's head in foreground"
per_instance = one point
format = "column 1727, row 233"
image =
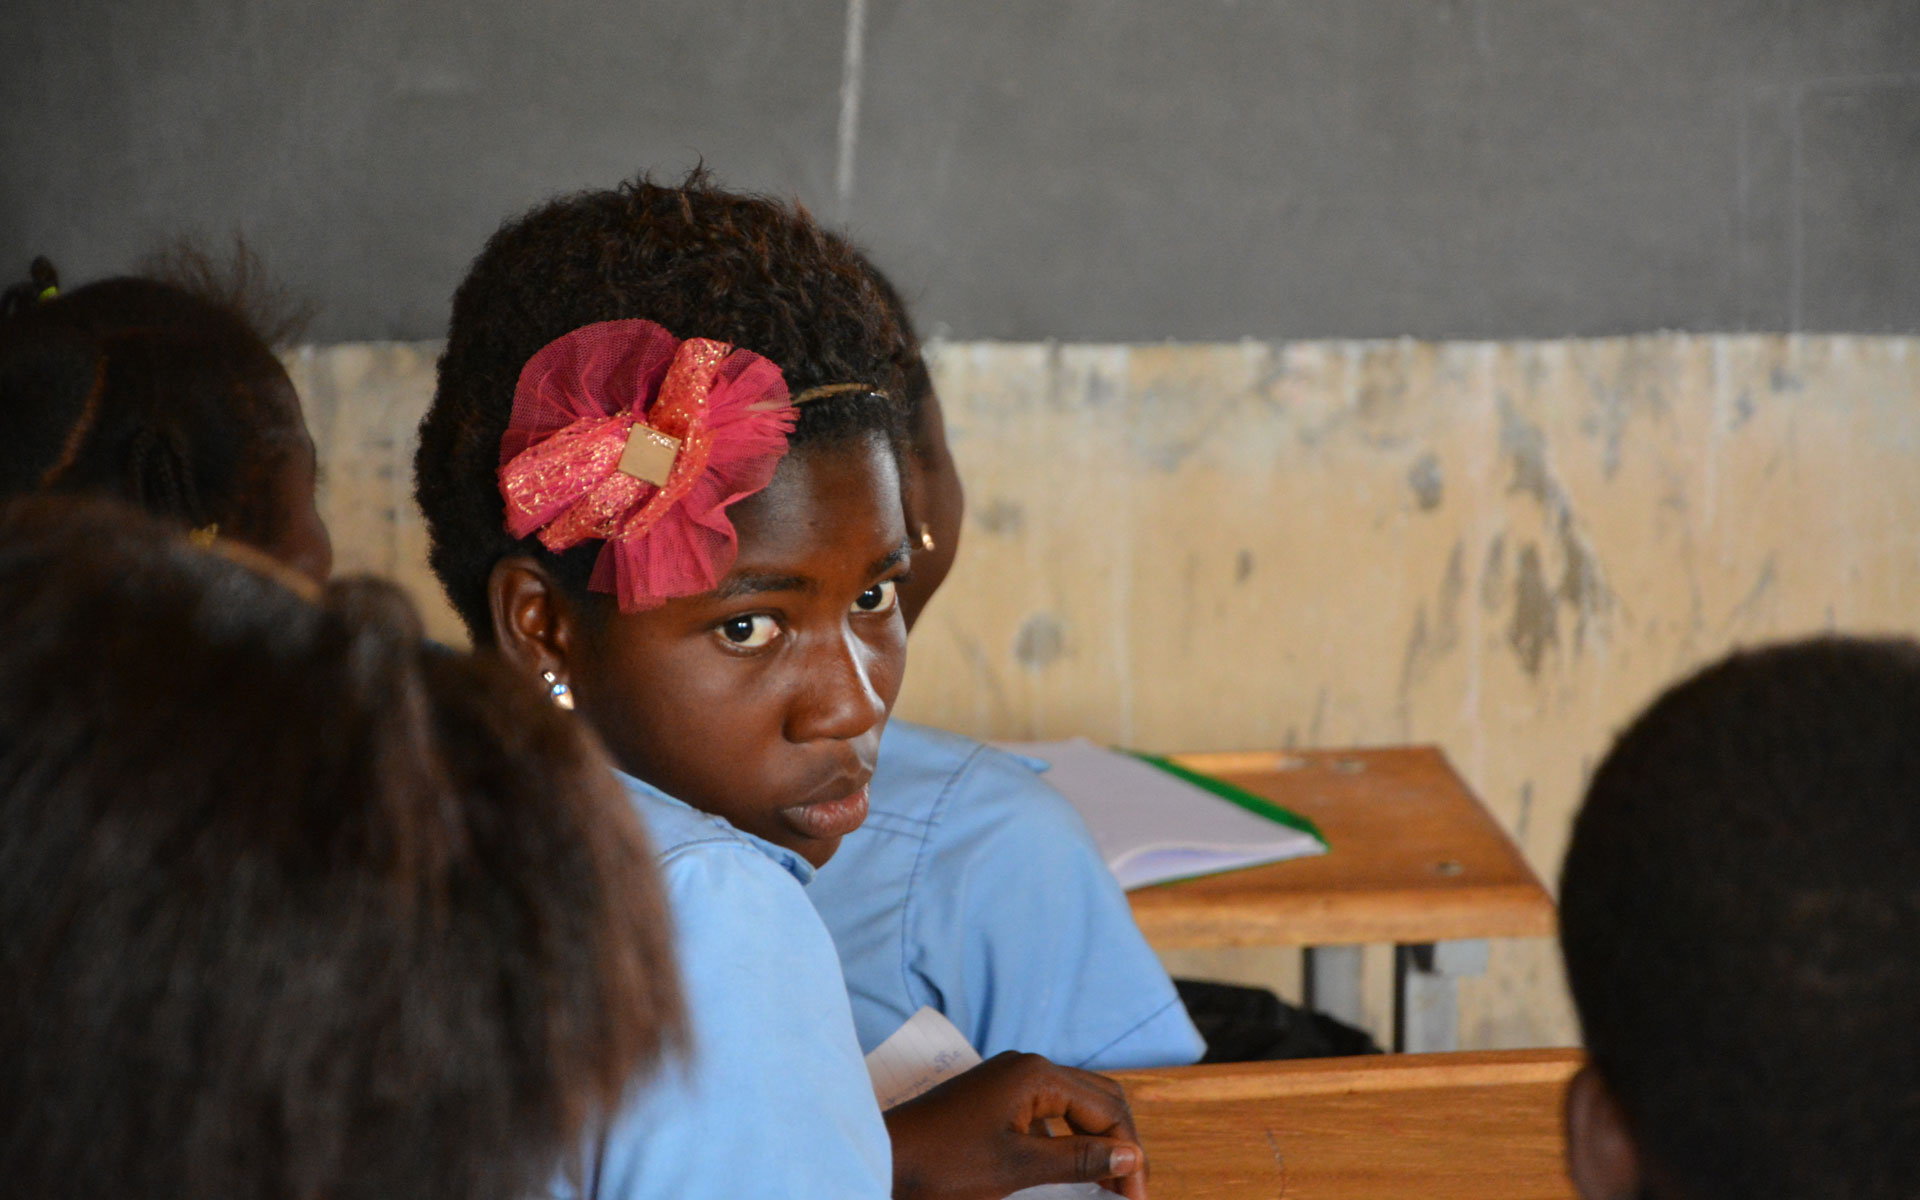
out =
column 758, row 691
column 1740, row 915
column 163, row 391
column 295, row 905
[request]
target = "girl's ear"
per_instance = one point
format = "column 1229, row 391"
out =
column 1602, row 1157
column 533, row 625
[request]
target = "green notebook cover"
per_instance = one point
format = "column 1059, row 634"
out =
column 1258, row 805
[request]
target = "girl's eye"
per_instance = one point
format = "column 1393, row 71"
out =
column 750, row 633
column 877, row 599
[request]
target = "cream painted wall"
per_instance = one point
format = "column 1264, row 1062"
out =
column 1502, row 548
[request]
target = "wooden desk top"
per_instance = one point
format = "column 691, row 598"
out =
column 1414, row 858
column 1480, row 1126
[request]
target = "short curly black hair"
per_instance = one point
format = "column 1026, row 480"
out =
column 702, row 262
column 1740, row 915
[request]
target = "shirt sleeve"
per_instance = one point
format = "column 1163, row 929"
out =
column 773, row 1098
column 1049, row 958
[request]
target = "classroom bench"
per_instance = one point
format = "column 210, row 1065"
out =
column 1415, row 861
column 1472, row 1126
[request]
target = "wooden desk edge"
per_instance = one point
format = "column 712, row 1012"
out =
column 1347, row 1076
column 1237, row 762
column 1228, row 762
column 1174, row 919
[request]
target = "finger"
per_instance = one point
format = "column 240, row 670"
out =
column 1133, row 1187
column 1090, row 1104
column 1092, row 1079
column 1083, row 1159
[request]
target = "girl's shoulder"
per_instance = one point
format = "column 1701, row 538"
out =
column 682, row 834
column 971, row 793
column 921, row 759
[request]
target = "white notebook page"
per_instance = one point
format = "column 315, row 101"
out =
column 1151, row 826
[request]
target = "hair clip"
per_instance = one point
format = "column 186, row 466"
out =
column 836, row 389
column 204, row 536
column 622, row 432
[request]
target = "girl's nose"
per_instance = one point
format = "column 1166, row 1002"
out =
column 836, row 699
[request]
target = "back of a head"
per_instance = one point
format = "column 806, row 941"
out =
column 162, row 391
column 757, row 273
column 917, row 382
column 1740, row 916
column 296, row 904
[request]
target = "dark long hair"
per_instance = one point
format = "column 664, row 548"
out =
column 294, row 905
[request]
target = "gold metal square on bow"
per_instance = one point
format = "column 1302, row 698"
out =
column 649, row 455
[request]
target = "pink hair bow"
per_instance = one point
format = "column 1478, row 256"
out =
column 623, row 432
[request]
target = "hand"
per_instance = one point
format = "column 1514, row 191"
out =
column 981, row 1135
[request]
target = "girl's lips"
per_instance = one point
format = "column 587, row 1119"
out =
column 828, row 818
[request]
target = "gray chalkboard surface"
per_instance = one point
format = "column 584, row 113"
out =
column 1081, row 169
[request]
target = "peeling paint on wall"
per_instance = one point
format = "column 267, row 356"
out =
column 1424, row 477
column 1536, row 613
column 1040, row 642
column 1001, row 517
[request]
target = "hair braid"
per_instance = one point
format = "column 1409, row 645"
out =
column 159, row 479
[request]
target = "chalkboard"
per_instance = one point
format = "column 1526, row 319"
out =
column 1123, row 170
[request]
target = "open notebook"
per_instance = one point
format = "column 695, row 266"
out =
column 927, row 1051
column 1154, row 821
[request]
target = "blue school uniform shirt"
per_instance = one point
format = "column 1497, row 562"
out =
column 772, row 1098
column 975, row 888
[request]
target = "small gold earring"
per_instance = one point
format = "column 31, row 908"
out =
column 926, row 538
column 562, row 694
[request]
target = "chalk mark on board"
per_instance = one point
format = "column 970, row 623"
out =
column 850, row 73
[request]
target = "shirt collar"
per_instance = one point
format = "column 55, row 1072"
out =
column 795, row 865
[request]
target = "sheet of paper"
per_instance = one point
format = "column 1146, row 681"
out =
column 921, row 1054
column 928, row 1051
column 1151, row 826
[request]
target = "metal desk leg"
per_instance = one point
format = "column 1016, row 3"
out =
column 1331, row 981
column 1427, row 1002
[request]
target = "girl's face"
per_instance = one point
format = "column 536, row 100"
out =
column 762, row 701
column 298, row 536
column 301, row 541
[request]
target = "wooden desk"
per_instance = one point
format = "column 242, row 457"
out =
column 1416, row 861
column 1434, row 1126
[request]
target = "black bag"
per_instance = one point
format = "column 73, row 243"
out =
column 1248, row 1024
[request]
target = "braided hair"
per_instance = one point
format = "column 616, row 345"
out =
column 159, row 389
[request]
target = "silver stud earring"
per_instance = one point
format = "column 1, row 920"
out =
column 561, row 693
column 926, row 537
